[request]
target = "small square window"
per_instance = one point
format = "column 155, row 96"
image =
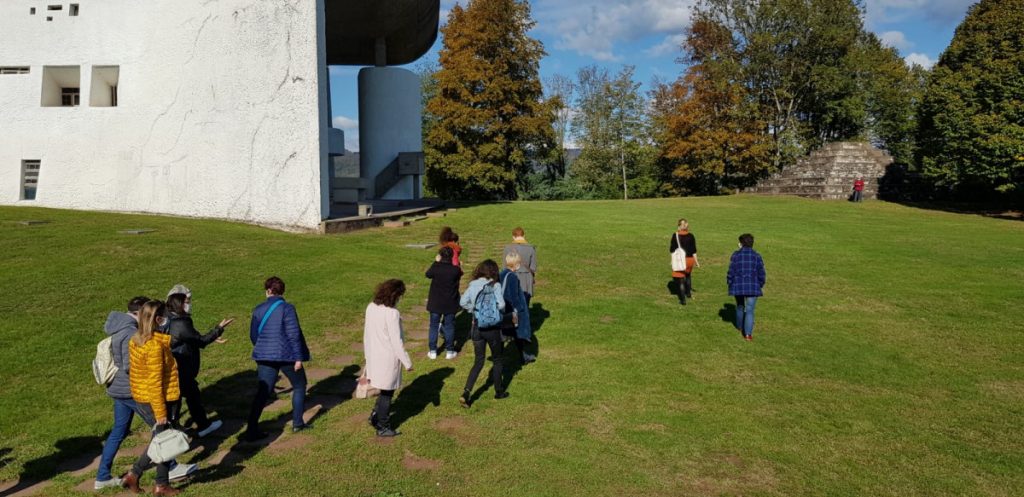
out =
column 104, row 86
column 73, row 9
column 49, row 18
column 69, row 97
column 60, row 86
column 32, row 11
column 29, row 179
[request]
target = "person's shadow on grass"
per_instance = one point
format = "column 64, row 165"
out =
column 323, row 396
column 728, row 313
column 4, row 460
column 73, row 454
column 414, row 398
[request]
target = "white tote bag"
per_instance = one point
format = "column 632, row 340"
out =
column 679, row 256
column 167, row 445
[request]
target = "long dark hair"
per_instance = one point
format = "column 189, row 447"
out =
column 487, row 269
column 176, row 304
column 388, row 293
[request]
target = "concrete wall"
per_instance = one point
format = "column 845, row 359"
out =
column 390, row 122
column 221, row 111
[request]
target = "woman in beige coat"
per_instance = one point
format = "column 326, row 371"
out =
column 385, row 351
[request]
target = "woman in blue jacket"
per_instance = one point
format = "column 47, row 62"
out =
column 515, row 304
column 484, row 290
column 746, row 277
column 278, row 346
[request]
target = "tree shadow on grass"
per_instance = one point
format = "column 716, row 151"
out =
column 414, row 398
column 73, row 454
column 323, row 396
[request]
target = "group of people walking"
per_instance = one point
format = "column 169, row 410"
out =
column 745, row 278
column 498, row 304
column 156, row 350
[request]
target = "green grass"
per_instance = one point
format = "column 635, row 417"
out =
column 887, row 358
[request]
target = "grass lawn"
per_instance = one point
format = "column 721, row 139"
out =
column 888, row 357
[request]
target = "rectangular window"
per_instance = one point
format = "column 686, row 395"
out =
column 69, row 97
column 14, row 70
column 29, row 179
column 104, row 86
column 61, row 86
column 55, row 7
column 32, row 11
column 73, row 9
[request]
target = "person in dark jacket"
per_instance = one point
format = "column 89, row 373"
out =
column 515, row 304
column 443, row 301
column 278, row 347
column 745, row 278
column 684, row 279
column 186, row 344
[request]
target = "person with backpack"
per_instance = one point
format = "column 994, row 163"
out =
column 745, row 278
column 154, row 384
column 484, row 299
column 443, row 301
column 383, row 345
column 278, row 347
column 111, row 368
column 683, row 278
column 186, row 344
column 516, row 319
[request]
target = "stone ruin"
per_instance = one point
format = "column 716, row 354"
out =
column 829, row 172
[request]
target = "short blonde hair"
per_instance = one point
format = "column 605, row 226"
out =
column 512, row 259
column 683, row 224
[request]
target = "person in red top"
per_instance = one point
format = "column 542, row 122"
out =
column 858, row 189
column 448, row 238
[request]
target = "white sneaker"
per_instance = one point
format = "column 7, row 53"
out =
column 113, row 482
column 432, row 354
column 179, row 471
column 214, row 426
column 450, row 354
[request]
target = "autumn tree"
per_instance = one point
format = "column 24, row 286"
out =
column 491, row 120
column 972, row 118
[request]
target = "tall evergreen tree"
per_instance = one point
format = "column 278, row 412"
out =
column 972, row 118
column 491, row 120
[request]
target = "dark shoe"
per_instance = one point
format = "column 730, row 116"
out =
column 501, row 395
column 254, row 436
column 373, row 419
column 165, row 490
column 387, row 432
column 131, row 482
column 464, row 399
column 303, row 427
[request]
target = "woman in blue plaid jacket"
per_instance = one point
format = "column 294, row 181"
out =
column 745, row 278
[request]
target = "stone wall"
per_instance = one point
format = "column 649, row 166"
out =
column 829, row 172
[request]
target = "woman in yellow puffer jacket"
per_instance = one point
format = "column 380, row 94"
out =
column 153, row 376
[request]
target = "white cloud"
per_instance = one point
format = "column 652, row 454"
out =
column 895, row 39
column 346, row 123
column 668, row 46
column 920, row 59
column 594, row 27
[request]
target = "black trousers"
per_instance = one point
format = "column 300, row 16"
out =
column 382, row 409
column 684, row 287
column 481, row 340
column 144, row 462
column 190, row 392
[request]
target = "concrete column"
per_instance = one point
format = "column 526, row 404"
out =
column 389, row 122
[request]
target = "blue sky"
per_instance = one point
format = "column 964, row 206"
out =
column 647, row 34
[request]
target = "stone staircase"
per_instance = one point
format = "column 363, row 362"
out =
column 829, row 172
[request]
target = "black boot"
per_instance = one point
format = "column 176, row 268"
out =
column 373, row 419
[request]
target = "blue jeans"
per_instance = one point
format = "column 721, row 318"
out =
column 745, row 314
column 449, row 330
column 124, row 412
column 266, row 372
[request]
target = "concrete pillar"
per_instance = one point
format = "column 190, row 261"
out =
column 389, row 122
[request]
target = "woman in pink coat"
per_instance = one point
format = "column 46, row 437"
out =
column 385, row 351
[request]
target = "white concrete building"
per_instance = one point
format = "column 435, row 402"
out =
column 202, row 108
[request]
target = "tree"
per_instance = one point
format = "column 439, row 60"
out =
column 491, row 121
column 972, row 118
column 610, row 126
column 560, row 90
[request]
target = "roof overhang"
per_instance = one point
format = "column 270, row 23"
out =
column 403, row 29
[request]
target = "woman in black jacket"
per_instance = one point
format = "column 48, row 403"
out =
column 443, row 301
column 684, row 279
column 186, row 342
